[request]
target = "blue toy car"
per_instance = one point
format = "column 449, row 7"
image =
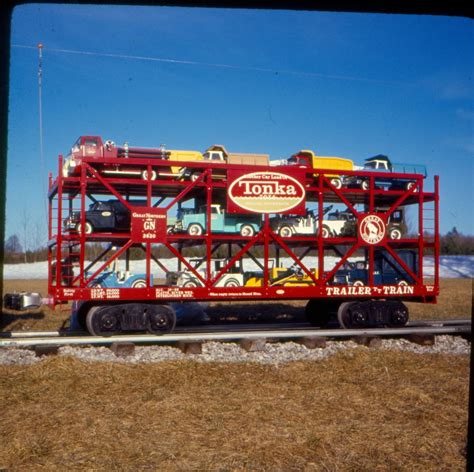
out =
column 119, row 279
column 381, row 163
column 387, row 271
column 194, row 222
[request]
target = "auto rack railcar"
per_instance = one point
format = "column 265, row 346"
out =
column 343, row 270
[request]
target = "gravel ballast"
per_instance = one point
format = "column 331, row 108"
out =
column 272, row 353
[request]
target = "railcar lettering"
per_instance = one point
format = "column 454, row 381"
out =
column 173, row 293
column 112, row 293
column 234, row 294
column 149, row 224
column 398, row 290
column 97, row 293
column 149, row 235
column 68, row 292
column 153, row 216
column 352, row 290
column 362, row 290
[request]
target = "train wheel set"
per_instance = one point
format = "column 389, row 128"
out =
column 107, row 320
column 237, row 230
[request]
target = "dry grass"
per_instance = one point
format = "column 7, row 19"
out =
column 455, row 301
column 359, row 410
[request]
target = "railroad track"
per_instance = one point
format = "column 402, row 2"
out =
column 281, row 331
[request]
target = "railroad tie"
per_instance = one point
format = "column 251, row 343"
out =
column 123, row 349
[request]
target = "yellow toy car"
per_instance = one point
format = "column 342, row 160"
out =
column 307, row 158
column 292, row 277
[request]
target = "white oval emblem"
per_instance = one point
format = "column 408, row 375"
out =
column 266, row 192
column 372, row 229
column 280, row 291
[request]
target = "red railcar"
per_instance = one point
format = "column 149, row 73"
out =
column 318, row 266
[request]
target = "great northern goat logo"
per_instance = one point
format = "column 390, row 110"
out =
column 266, row 192
column 372, row 229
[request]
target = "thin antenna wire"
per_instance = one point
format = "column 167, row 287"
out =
column 40, row 110
column 222, row 66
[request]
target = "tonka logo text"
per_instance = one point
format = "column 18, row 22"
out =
column 266, row 192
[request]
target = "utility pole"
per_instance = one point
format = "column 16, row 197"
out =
column 40, row 112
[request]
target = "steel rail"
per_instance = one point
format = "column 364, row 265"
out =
column 454, row 321
column 230, row 327
column 179, row 330
column 232, row 336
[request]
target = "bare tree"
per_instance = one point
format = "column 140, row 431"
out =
column 39, row 237
column 12, row 244
column 25, row 229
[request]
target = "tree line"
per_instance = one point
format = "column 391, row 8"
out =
column 456, row 244
column 451, row 243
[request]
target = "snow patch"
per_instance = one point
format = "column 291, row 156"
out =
column 449, row 267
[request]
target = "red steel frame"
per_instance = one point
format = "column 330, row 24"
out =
column 319, row 190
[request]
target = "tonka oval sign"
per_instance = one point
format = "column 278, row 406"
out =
column 265, row 192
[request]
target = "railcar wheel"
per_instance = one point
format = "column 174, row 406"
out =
column 351, row 315
column 399, row 316
column 318, row 313
column 161, row 319
column 102, row 321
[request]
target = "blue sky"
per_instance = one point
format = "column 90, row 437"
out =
column 351, row 85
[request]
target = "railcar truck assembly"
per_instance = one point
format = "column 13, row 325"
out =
column 338, row 273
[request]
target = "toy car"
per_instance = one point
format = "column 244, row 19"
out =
column 94, row 148
column 307, row 158
column 379, row 164
column 194, row 222
column 112, row 278
column 387, row 270
column 288, row 277
column 233, row 278
column 333, row 225
column 395, row 226
column 108, row 216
